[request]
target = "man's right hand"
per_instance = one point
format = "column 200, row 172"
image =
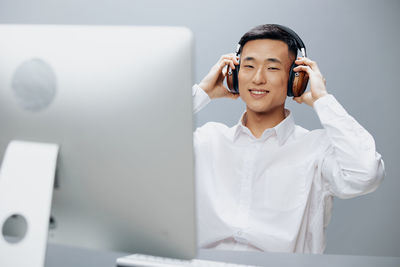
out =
column 213, row 83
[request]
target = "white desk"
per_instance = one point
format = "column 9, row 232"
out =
column 65, row 256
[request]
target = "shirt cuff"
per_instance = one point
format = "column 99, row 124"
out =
column 200, row 98
column 328, row 108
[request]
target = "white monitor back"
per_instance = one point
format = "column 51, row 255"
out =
column 117, row 100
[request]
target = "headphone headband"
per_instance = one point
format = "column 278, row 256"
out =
column 300, row 44
column 293, row 34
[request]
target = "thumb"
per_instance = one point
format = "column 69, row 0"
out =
column 298, row 99
column 304, row 98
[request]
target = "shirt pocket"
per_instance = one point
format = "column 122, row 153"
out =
column 287, row 187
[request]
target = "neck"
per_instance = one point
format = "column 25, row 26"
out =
column 258, row 122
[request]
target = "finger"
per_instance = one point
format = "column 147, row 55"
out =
column 232, row 57
column 306, row 61
column 298, row 99
column 230, row 94
column 311, row 73
column 233, row 96
column 304, row 68
column 225, row 70
column 225, row 62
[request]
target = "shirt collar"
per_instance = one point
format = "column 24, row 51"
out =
column 283, row 130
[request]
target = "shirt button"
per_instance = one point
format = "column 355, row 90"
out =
column 239, row 237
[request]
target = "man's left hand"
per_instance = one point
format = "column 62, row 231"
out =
column 317, row 81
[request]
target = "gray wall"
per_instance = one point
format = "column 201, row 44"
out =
column 355, row 44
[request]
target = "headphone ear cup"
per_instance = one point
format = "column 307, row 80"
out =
column 235, row 80
column 300, row 83
column 232, row 80
column 229, row 79
column 297, row 83
column 291, row 79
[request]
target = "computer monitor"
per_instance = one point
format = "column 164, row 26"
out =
column 117, row 100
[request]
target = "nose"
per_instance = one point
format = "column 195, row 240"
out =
column 259, row 77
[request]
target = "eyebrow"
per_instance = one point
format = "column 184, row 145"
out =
column 271, row 59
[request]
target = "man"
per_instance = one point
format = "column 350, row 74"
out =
column 267, row 184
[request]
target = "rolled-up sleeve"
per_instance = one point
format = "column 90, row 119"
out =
column 350, row 166
column 200, row 98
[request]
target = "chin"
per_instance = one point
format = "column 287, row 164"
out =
column 258, row 109
column 266, row 108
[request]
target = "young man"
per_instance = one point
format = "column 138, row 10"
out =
column 268, row 184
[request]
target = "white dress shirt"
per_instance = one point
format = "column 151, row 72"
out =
column 274, row 193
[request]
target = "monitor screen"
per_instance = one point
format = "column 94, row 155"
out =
column 117, row 100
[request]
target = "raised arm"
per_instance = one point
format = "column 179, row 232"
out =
column 351, row 166
column 212, row 86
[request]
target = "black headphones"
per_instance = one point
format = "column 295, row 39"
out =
column 297, row 83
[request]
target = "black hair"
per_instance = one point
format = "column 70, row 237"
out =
column 270, row 31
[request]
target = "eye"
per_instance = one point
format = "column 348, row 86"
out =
column 248, row 66
column 273, row 68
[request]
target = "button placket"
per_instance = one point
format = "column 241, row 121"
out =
column 245, row 193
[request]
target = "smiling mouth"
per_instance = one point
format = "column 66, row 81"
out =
column 258, row 91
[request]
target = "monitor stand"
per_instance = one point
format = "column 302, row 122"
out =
column 26, row 188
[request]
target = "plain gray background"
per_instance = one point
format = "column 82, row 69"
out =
column 355, row 43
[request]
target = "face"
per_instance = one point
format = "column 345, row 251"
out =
column 264, row 74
